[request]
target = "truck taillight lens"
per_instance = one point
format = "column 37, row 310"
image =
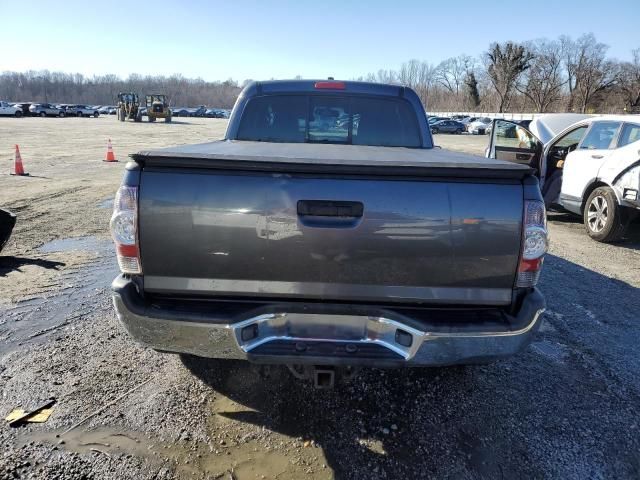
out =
column 534, row 244
column 124, row 229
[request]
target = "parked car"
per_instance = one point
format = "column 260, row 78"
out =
column 432, row 120
column 345, row 246
column 215, row 113
column 82, row 111
column 46, row 110
column 590, row 168
column 24, row 106
column 180, row 112
column 69, row 109
column 107, row 110
column 62, row 107
column 195, row 111
column 479, row 126
column 447, row 126
column 6, row 109
column 467, row 120
column 199, row 111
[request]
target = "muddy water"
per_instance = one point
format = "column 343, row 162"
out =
column 213, row 460
column 87, row 244
column 35, row 319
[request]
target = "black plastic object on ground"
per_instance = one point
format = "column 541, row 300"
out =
column 7, row 222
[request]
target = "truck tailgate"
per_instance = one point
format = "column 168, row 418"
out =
column 225, row 232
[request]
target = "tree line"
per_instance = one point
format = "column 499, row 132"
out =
column 58, row 87
column 563, row 75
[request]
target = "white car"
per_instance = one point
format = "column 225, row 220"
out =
column 590, row 167
column 479, row 126
column 82, row 111
column 8, row 109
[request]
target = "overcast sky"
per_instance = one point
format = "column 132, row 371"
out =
column 244, row 39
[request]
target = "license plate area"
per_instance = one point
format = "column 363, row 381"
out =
column 355, row 330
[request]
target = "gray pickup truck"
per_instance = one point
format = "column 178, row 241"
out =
column 326, row 232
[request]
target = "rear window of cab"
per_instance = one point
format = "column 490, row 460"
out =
column 353, row 120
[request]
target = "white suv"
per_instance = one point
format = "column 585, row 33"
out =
column 589, row 167
column 82, row 111
column 46, row 110
column 7, row 109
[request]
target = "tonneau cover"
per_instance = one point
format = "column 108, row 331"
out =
column 329, row 159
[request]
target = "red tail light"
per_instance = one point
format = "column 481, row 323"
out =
column 124, row 229
column 534, row 244
column 330, row 85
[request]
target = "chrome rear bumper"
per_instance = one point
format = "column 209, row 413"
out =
column 326, row 338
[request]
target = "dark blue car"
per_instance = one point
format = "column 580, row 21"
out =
column 447, row 126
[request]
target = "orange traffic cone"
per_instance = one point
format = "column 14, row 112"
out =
column 110, row 157
column 18, row 168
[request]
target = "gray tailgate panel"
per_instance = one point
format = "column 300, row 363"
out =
column 240, row 234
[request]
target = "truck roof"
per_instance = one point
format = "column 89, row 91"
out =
column 330, row 159
column 316, row 86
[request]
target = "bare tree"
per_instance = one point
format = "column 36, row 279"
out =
column 629, row 82
column 594, row 73
column 408, row 74
column 385, row 76
column 589, row 72
column 424, row 82
column 569, row 52
column 543, row 80
column 415, row 74
column 505, row 63
column 451, row 73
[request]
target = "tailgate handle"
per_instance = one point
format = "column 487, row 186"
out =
column 330, row 208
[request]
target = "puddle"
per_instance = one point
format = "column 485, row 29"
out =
column 87, row 244
column 248, row 461
column 550, row 350
column 81, row 291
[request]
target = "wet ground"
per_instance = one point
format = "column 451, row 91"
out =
column 39, row 317
column 567, row 407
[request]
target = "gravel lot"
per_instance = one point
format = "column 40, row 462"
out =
column 567, row 407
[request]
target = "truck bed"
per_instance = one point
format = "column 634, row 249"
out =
column 330, row 159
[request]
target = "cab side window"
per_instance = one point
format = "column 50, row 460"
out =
column 572, row 138
column 600, row 136
column 630, row 133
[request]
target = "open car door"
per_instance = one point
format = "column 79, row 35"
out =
column 512, row 142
